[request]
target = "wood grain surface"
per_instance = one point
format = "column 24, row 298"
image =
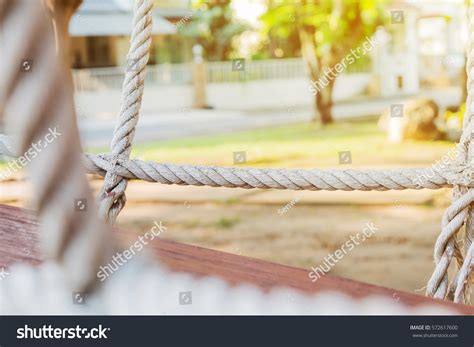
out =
column 19, row 243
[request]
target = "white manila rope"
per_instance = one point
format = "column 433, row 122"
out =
column 294, row 179
column 69, row 236
column 35, row 100
column 143, row 289
column 460, row 212
column 112, row 196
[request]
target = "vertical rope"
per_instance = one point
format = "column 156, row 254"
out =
column 462, row 288
column 463, row 282
column 461, row 210
column 112, row 196
column 39, row 111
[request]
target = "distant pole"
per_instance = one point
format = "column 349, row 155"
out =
column 199, row 78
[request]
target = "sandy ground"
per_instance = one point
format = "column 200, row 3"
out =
column 398, row 255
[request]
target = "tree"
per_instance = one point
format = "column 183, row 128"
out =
column 327, row 30
column 213, row 25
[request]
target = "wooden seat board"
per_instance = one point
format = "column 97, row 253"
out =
column 19, row 243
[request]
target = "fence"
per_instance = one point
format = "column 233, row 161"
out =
column 112, row 77
column 181, row 74
column 222, row 72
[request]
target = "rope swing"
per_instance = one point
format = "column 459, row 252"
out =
column 77, row 244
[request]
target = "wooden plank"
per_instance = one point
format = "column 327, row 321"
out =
column 18, row 238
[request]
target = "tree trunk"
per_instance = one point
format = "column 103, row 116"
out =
column 323, row 104
column 323, row 97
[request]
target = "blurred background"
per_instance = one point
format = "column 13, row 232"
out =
column 294, row 84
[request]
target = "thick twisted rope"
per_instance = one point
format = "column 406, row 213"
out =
column 141, row 288
column 295, row 179
column 461, row 293
column 461, row 211
column 37, row 101
column 117, row 168
column 6, row 146
column 462, row 282
column 112, row 196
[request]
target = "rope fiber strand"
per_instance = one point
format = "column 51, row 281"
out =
column 295, row 179
column 460, row 213
column 68, row 235
column 112, row 196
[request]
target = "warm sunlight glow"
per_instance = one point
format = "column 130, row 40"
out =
column 249, row 10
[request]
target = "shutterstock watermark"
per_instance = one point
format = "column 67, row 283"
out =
column 329, row 74
column 186, row 18
column 49, row 332
column 441, row 165
column 121, row 258
column 288, row 206
column 30, row 154
column 332, row 258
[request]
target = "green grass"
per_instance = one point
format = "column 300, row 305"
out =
column 226, row 222
column 298, row 145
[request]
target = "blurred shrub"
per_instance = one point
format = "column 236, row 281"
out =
column 453, row 122
column 418, row 120
column 454, row 118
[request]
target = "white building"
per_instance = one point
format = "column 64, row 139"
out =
column 424, row 46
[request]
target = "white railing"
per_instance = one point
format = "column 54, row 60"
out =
column 181, row 74
column 221, row 72
column 112, row 77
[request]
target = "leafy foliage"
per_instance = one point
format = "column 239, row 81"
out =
column 326, row 31
column 213, row 26
column 336, row 25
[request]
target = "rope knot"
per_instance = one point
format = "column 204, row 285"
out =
column 113, row 161
column 458, row 169
column 112, row 197
column 460, row 174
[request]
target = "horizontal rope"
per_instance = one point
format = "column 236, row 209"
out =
column 294, row 179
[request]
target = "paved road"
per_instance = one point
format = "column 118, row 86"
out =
column 173, row 125
column 166, row 125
